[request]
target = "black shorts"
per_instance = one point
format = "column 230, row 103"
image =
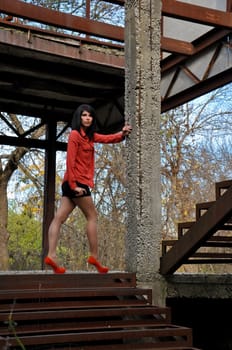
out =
column 68, row 192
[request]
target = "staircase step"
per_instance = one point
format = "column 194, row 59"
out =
column 81, row 296
column 46, row 318
column 48, row 299
column 29, row 323
column 121, row 346
column 183, row 227
column 43, row 280
column 208, row 261
column 201, row 209
column 77, row 293
column 168, row 335
column 221, row 187
column 213, row 242
column 219, row 242
column 212, row 255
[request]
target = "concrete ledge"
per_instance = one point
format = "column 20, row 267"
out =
column 199, row 286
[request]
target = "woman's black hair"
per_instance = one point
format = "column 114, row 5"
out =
column 76, row 120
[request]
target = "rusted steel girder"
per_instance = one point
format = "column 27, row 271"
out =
column 200, row 44
column 63, row 45
column 197, row 90
column 229, row 5
column 170, row 8
column 197, row 14
column 62, row 20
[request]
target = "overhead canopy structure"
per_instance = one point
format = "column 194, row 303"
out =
column 196, row 49
column 46, row 73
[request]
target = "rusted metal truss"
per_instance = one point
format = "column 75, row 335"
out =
column 197, row 67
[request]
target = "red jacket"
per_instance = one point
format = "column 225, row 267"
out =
column 80, row 156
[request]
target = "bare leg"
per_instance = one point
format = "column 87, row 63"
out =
column 66, row 207
column 87, row 207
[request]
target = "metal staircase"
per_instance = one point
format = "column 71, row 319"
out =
column 84, row 311
column 211, row 217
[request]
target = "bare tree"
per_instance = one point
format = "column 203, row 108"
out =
column 194, row 155
column 9, row 162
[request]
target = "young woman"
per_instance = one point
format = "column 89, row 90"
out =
column 78, row 179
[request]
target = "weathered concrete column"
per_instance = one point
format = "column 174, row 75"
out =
column 142, row 106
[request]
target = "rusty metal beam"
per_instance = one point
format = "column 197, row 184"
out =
column 180, row 47
column 197, row 14
column 176, row 46
column 168, row 44
column 36, row 30
column 62, row 20
column 229, row 5
column 182, row 50
column 62, row 46
column 199, row 232
column 196, row 91
column 200, row 44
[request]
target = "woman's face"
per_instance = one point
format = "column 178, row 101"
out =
column 86, row 119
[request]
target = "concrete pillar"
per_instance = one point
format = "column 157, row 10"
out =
column 142, row 108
